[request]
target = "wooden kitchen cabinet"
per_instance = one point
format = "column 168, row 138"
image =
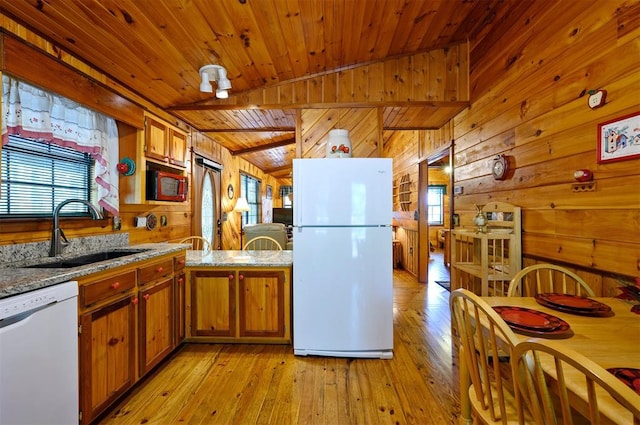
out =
column 240, row 305
column 112, row 306
column 107, row 355
column 261, row 303
column 164, row 143
column 213, row 303
column 156, row 324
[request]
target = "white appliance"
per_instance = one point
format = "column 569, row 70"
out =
column 39, row 357
column 342, row 257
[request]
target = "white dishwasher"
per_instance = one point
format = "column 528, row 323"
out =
column 39, row 357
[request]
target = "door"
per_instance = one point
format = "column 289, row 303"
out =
column 441, row 157
column 207, row 220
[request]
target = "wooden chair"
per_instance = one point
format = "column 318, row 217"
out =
column 486, row 384
column 545, row 278
column 197, row 243
column 606, row 395
column 260, row 243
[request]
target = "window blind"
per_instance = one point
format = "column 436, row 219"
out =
column 37, row 176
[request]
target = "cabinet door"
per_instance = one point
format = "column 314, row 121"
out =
column 179, row 309
column 213, row 300
column 107, row 355
column 156, row 326
column 156, row 135
column 261, row 303
column 177, row 148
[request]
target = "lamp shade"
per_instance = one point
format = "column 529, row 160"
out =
column 205, row 85
column 223, row 81
column 241, row 205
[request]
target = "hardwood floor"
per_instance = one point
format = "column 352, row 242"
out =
column 267, row 384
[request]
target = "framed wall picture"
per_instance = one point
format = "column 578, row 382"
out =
column 619, row 139
column 269, row 191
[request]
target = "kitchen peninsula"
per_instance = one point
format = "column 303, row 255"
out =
column 239, row 296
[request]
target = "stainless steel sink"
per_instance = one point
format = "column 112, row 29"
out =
column 84, row 260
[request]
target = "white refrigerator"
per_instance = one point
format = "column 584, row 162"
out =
column 342, row 257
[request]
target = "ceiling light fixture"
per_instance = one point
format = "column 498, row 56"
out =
column 218, row 74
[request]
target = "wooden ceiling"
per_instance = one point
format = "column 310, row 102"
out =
column 156, row 47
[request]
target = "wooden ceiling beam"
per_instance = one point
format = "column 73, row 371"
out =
column 248, row 130
column 324, row 105
column 281, row 143
column 276, row 170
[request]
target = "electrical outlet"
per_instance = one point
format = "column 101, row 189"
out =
column 140, row 221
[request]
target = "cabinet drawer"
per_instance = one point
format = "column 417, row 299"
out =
column 105, row 288
column 155, row 271
column 179, row 263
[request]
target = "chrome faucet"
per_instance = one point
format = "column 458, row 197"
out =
column 58, row 239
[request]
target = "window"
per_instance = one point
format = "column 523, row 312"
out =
column 37, row 176
column 286, row 193
column 250, row 189
column 435, row 204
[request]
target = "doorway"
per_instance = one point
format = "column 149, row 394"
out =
column 207, row 220
column 435, row 218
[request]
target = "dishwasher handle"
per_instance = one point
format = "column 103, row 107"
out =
column 22, row 316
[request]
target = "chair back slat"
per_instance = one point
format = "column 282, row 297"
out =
column 545, row 278
column 261, row 243
column 197, row 243
column 547, row 370
column 485, row 343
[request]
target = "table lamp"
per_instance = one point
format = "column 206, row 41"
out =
column 241, row 207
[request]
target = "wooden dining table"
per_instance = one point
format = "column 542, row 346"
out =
column 611, row 342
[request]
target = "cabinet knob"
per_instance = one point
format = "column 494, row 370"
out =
column 180, row 281
column 146, row 297
column 115, row 285
column 181, row 262
column 134, row 301
column 241, row 276
column 160, row 269
column 230, row 277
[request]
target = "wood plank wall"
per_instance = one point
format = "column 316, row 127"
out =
column 529, row 93
column 435, row 76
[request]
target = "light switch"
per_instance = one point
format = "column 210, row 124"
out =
column 140, row 221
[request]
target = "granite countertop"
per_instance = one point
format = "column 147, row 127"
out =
column 15, row 278
column 239, row 258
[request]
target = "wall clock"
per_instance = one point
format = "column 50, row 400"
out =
column 230, row 191
column 500, row 167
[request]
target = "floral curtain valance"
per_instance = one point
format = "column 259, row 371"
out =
column 34, row 113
